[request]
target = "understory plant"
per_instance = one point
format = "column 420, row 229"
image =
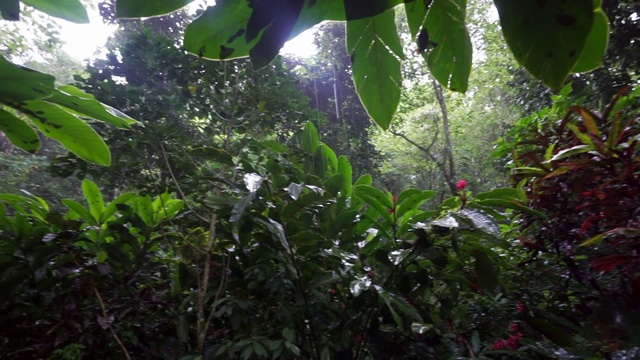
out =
column 581, row 169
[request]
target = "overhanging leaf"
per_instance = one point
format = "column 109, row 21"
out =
column 71, row 10
column 86, row 105
column 73, row 133
column 443, row 23
column 138, row 9
column 596, row 44
column 19, row 83
column 546, row 37
column 19, row 132
column 219, row 32
column 376, row 54
column 275, row 20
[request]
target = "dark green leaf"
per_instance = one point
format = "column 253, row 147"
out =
column 546, row 37
column 138, row 9
column 71, row 10
column 550, row 330
column 213, row 153
column 111, row 208
column 323, row 279
column 486, row 271
column 376, row 54
column 413, row 202
column 273, row 21
column 360, row 9
column 10, row 10
column 19, row 132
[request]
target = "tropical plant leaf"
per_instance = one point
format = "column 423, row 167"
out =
column 450, row 59
column 19, row 132
column 73, row 133
column 80, row 211
column 310, row 140
column 546, row 37
column 20, row 83
column 138, row 9
column 85, row 104
column 486, row 271
column 344, row 168
column 596, row 44
column 219, row 32
column 71, row 10
column 376, row 55
column 93, row 196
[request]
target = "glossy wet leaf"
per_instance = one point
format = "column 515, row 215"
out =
column 546, row 37
column 19, row 132
column 137, row 8
column 376, row 55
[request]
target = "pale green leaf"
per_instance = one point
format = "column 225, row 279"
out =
column 73, row 133
column 83, row 104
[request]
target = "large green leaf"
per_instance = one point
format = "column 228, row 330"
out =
column 546, row 37
column 450, row 60
column 93, row 196
column 138, row 8
column 376, row 54
column 73, row 133
column 361, row 9
column 71, row 10
column 19, row 83
column 85, row 104
column 273, row 20
column 310, row 140
column 486, row 271
column 219, row 32
column 19, row 132
column 344, row 168
column 596, row 45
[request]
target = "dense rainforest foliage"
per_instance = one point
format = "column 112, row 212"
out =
column 409, row 192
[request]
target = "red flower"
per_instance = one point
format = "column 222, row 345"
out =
column 461, row 185
column 520, row 308
column 391, row 211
